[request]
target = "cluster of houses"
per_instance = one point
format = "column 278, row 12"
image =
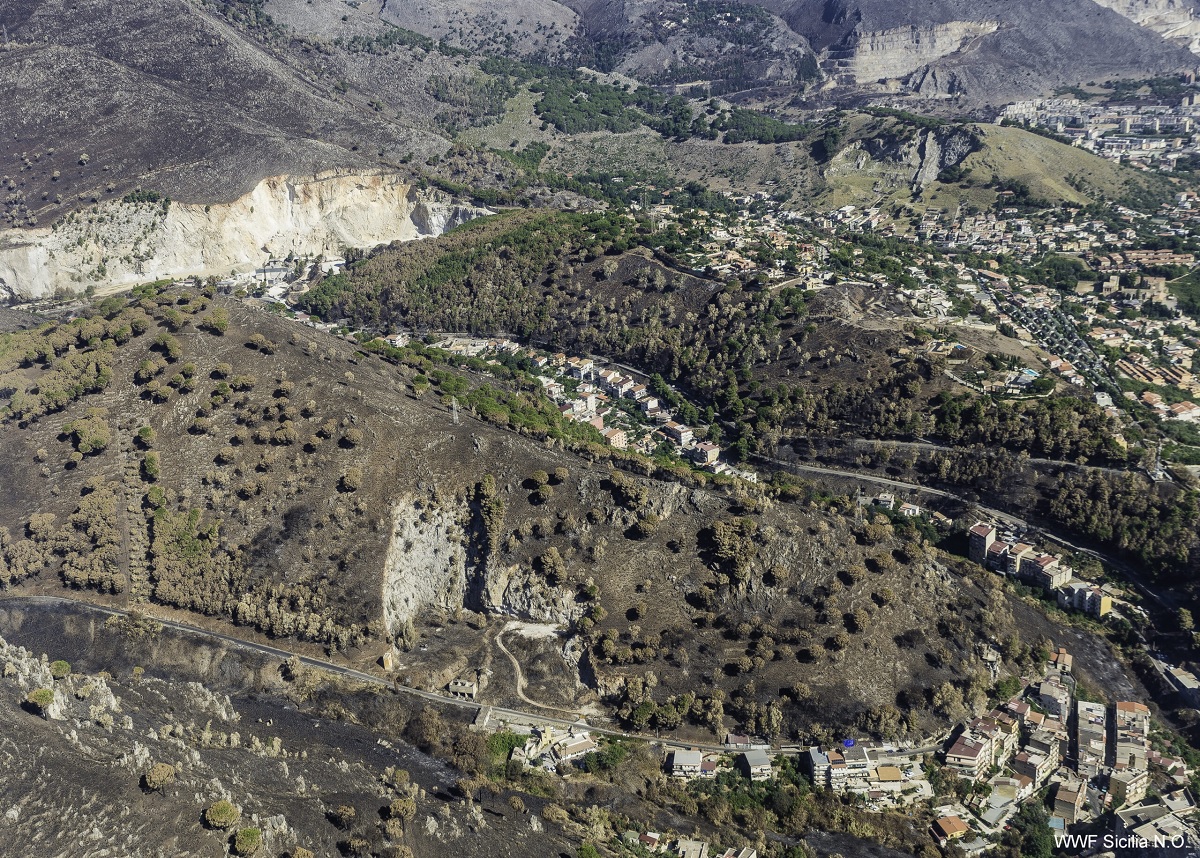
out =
column 683, row 847
column 587, row 393
column 729, row 244
column 1186, row 411
column 857, row 768
column 591, row 401
column 847, row 768
column 749, row 753
column 546, row 748
column 887, row 501
column 1038, row 569
column 1094, row 757
column 1143, row 135
column 691, row 764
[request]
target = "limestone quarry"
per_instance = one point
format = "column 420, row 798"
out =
column 898, row 52
column 1172, row 19
column 119, row 244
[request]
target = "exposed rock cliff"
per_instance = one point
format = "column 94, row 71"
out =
column 425, row 565
column 899, row 52
column 520, row 592
column 914, row 160
column 987, row 53
column 121, row 244
column 431, row 565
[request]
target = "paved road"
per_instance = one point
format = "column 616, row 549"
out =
column 926, row 444
column 367, row 678
column 1132, row 575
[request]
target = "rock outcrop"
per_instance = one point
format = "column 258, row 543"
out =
column 1171, row 19
column 430, row 564
column 987, row 53
column 121, row 244
column 425, row 566
column 921, row 156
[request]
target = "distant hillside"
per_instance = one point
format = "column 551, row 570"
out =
column 982, row 52
column 969, row 164
column 977, row 52
column 100, row 99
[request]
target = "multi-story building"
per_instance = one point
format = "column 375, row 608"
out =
column 970, row 755
column 1043, row 570
column 1131, row 735
column 1054, row 695
column 1068, row 801
column 1091, row 738
column 980, row 539
column 1128, row 787
column 1086, row 598
column 1037, row 767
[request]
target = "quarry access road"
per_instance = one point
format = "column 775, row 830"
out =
column 520, row 682
column 361, row 676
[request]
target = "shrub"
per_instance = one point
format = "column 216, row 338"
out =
column 150, row 467
column 217, row 321
column 343, row 816
column 91, row 433
column 646, row 526
column 40, row 699
column 159, row 776
column 403, row 808
column 352, row 480
column 247, row 841
column 221, row 814
column 352, row 438
column 60, row 669
column 169, row 346
column 355, row 846
column 539, row 478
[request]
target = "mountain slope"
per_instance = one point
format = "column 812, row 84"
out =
column 979, row 51
column 292, row 485
column 97, row 99
column 986, row 52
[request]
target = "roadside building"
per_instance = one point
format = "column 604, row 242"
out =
column 755, row 764
column 685, row 764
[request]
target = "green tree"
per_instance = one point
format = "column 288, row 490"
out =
column 60, row 669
